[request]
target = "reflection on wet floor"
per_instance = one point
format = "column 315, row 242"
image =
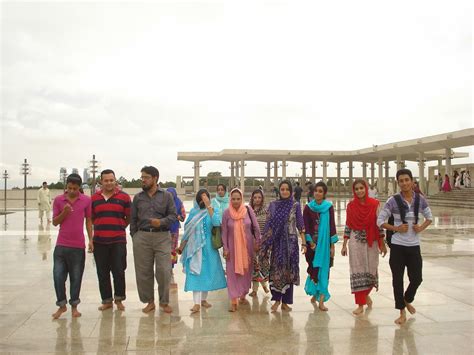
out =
column 443, row 322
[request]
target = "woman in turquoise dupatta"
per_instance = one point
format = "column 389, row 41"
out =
column 200, row 260
column 321, row 236
column 221, row 201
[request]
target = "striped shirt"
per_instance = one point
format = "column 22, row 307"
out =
column 109, row 217
column 410, row 238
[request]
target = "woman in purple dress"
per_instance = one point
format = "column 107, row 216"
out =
column 280, row 240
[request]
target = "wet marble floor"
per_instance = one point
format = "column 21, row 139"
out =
column 443, row 323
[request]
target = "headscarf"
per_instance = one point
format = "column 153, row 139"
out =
column 221, row 203
column 179, row 204
column 241, row 259
column 363, row 216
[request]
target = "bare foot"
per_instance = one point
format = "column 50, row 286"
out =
column 243, row 300
column 206, row 304
column 196, row 308
column 285, row 307
column 275, row 306
column 410, row 308
column 105, row 306
column 253, row 294
column 402, row 319
column 58, row 313
column 358, row 310
column 233, row 308
column 166, row 308
column 313, row 299
column 322, row 307
column 120, row 305
column 75, row 313
column 149, row 307
column 265, row 289
column 369, row 302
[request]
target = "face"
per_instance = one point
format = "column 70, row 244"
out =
column 203, row 200
column 257, row 199
column 221, row 191
column 45, row 186
column 359, row 190
column 72, row 190
column 236, row 200
column 405, row 182
column 285, row 191
column 148, row 181
column 108, row 182
column 319, row 193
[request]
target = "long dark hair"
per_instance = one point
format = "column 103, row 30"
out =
column 257, row 191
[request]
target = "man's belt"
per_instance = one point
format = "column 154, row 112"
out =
column 155, row 230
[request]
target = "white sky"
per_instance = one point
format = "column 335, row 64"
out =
column 135, row 83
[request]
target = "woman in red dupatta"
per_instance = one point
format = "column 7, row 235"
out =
column 365, row 241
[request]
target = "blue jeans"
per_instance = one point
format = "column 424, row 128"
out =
column 68, row 261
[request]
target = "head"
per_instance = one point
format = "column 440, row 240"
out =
column 45, row 185
column 149, row 176
column 221, row 190
column 236, row 198
column 257, row 199
column 199, row 200
column 405, row 180
column 359, row 187
column 297, row 183
column 107, row 180
column 73, row 185
column 286, row 189
column 320, row 191
column 172, row 191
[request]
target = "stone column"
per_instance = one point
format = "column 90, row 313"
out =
column 267, row 180
column 351, row 170
column 399, row 162
column 283, row 169
column 242, row 176
column 313, row 172
column 448, row 164
column 325, row 171
column 380, row 178
column 372, row 173
column 303, row 173
column 440, row 166
column 196, row 176
column 338, row 179
column 421, row 172
column 275, row 173
column 364, row 171
column 232, row 176
column 387, row 175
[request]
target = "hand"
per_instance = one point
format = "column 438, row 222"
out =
column 312, row 245
column 333, row 251
column 417, row 228
column 155, row 222
column 226, row 255
column 205, row 199
column 304, row 248
column 403, row 228
column 67, row 209
column 344, row 250
column 91, row 247
column 179, row 250
column 383, row 249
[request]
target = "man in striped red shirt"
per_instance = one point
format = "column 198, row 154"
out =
column 111, row 216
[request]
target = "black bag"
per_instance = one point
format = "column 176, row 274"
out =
column 403, row 210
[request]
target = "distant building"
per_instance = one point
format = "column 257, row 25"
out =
column 75, row 171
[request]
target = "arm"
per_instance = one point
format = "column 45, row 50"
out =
column 60, row 216
column 215, row 217
column 134, row 217
column 127, row 211
column 426, row 211
column 307, row 228
column 256, row 229
column 38, row 197
column 89, row 233
column 224, row 232
column 171, row 217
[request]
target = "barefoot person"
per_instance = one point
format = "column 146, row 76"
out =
column 405, row 242
column 261, row 267
column 365, row 241
column 240, row 236
column 320, row 227
column 69, row 211
column 280, row 241
column 201, row 262
column 153, row 213
column 110, row 216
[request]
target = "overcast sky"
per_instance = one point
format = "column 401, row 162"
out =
column 135, row 83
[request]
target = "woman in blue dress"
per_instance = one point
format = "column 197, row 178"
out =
column 201, row 261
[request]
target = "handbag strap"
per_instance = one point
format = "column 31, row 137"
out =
column 251, row 222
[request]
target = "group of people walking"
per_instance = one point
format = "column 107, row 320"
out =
column 260, row 244
column 458, row 181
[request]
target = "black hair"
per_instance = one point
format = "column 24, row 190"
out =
column 199, row 197
column 290, row 186
column 225, row 187
column 405, row 172
column 297, row 183
column 44, row 182
column 151, row 170
column 74, row 179
column 106, row 171
column 323, row 185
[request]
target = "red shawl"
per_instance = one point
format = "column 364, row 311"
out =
column 363, row 216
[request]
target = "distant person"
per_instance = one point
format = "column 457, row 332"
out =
column 373, row 193
column 416, row 188
column 110, row 216
column 298, row 192
column 446, row 184
column 457, row 180
column 310, row 192
column 44, row 203
column 440, row 182
column 467, row 179
column 276, row 192
column 69, row 211
column 153, row 213
column 221, row 201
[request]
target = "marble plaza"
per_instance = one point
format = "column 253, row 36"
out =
column 443, row 323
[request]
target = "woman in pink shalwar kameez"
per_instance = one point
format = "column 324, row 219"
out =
column 240, row 241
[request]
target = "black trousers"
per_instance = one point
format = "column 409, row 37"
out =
column 409, row 257
column 111, row 258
